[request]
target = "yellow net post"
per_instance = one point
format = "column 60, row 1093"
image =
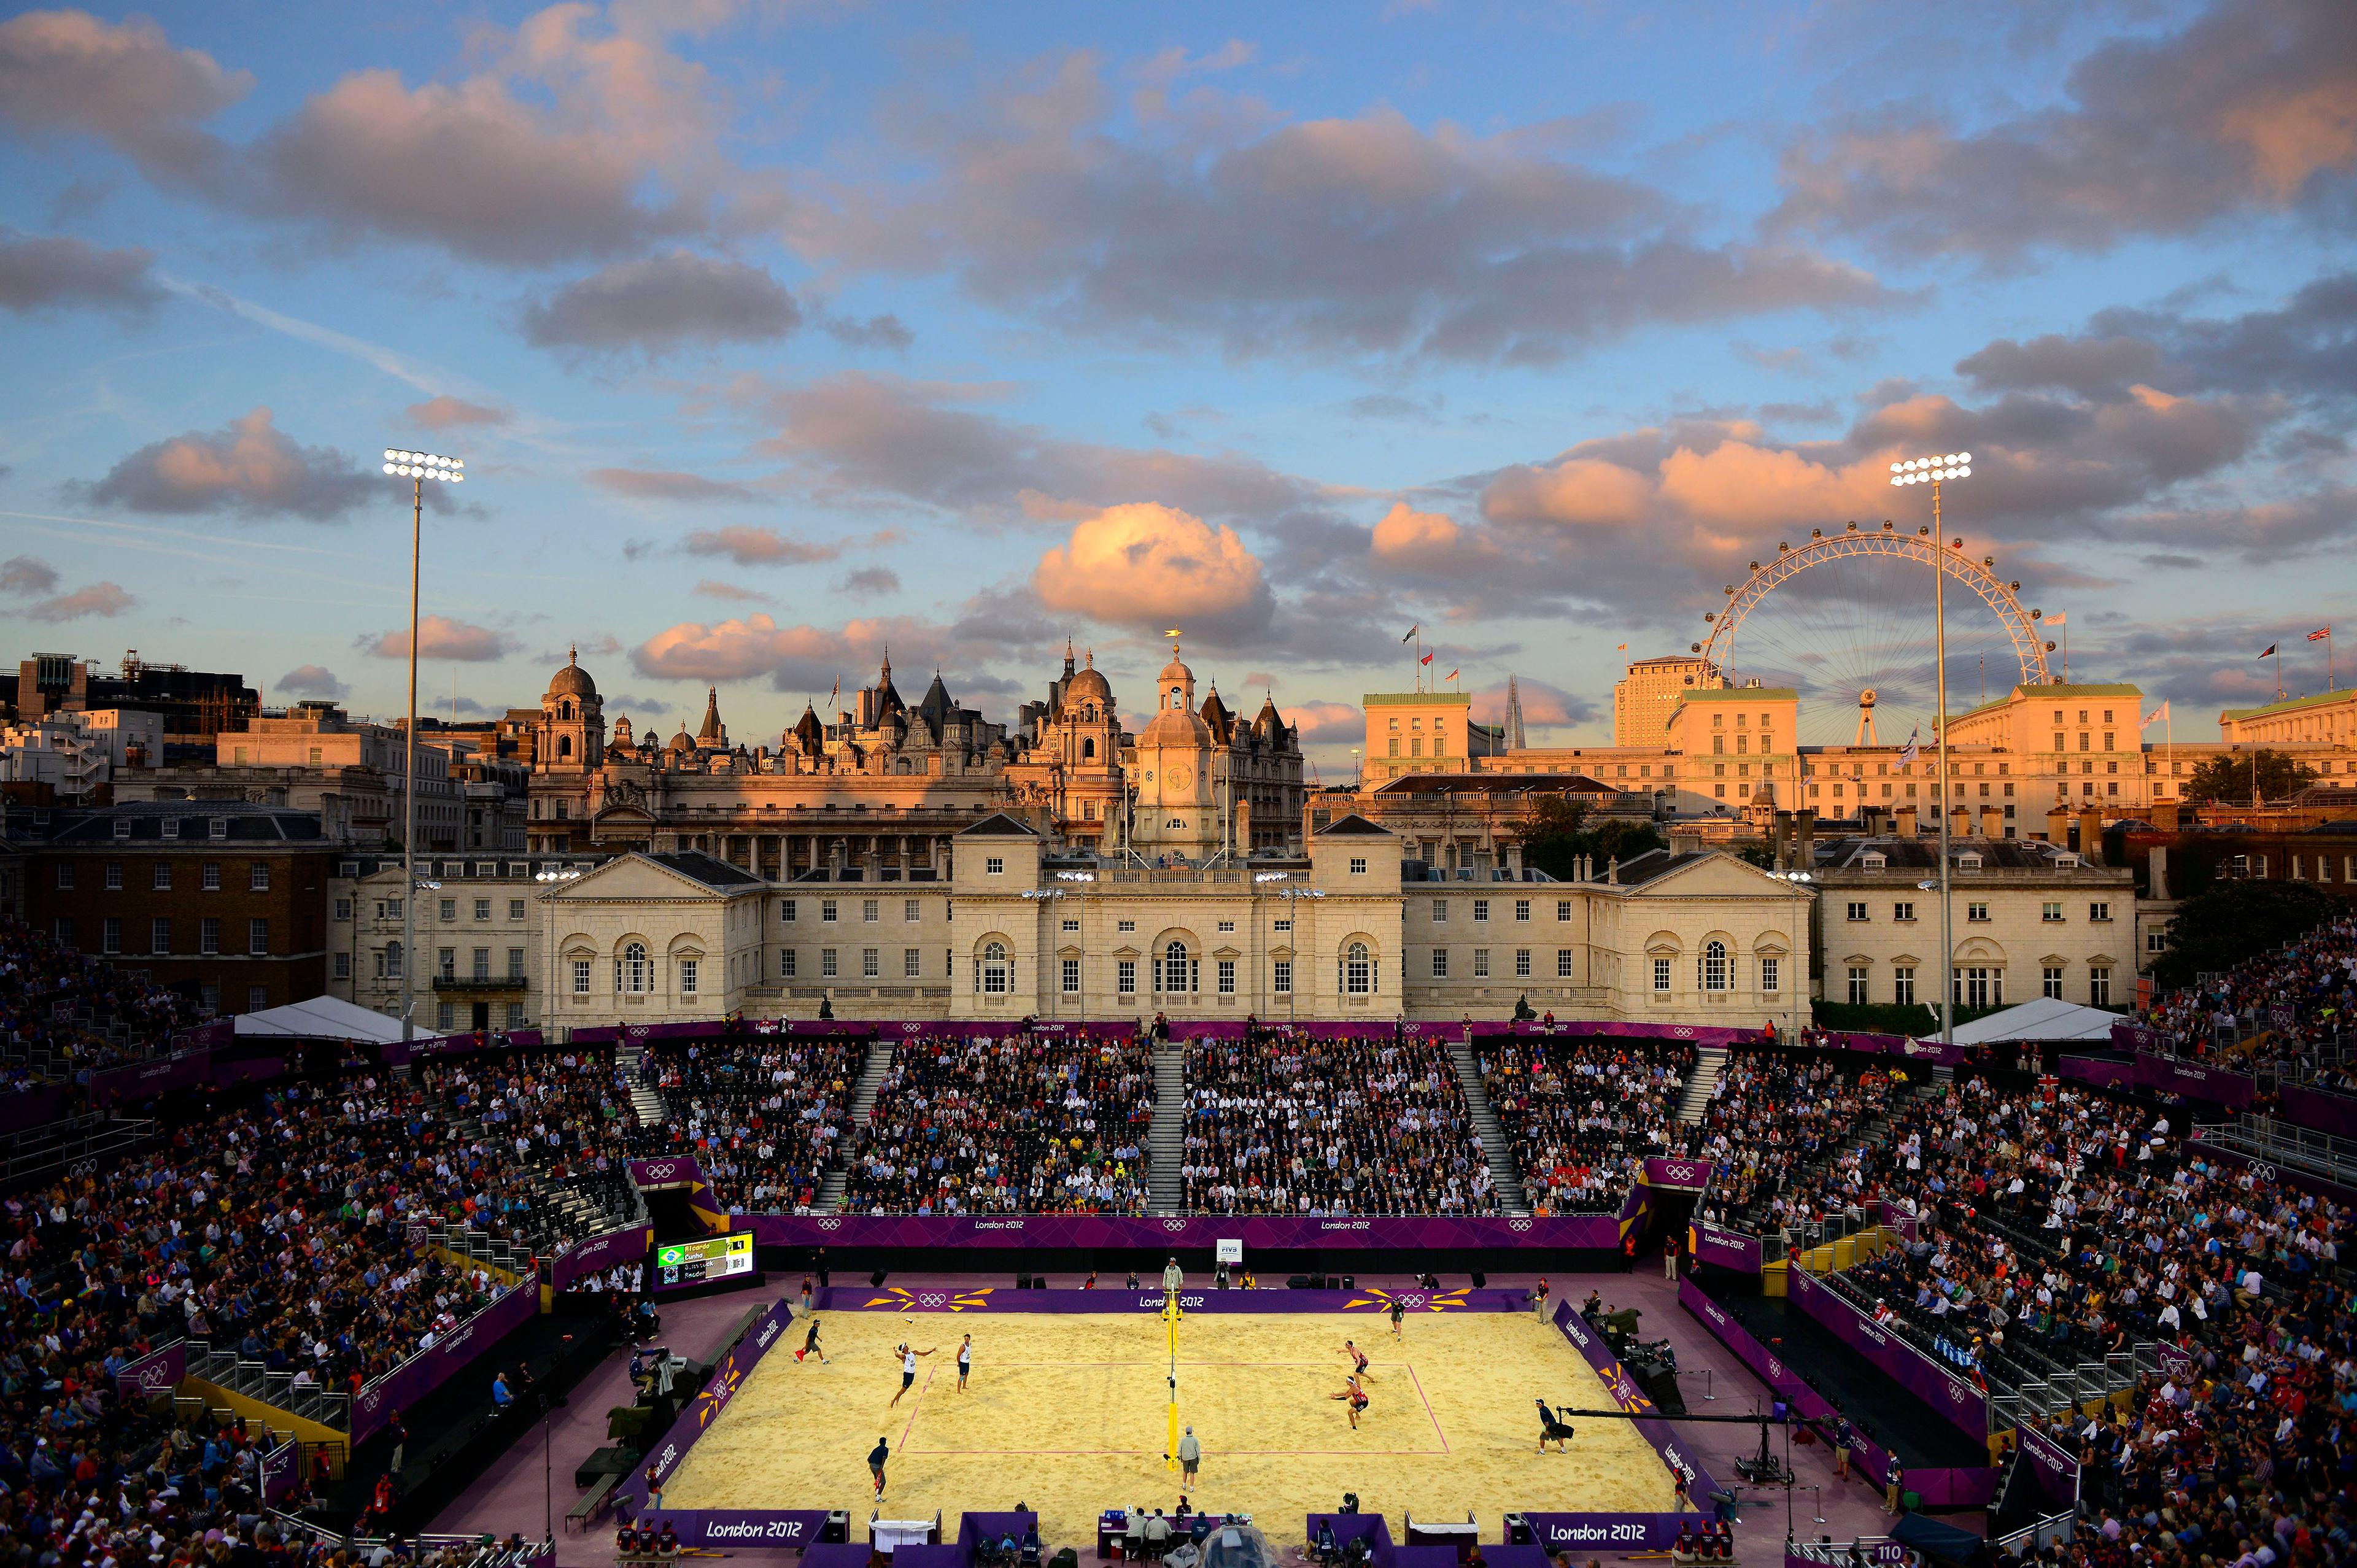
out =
column 1171, row 1320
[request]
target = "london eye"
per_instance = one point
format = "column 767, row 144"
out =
column 1846, row 619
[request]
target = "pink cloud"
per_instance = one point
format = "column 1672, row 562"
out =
column 1145, row 564
column 439, row 636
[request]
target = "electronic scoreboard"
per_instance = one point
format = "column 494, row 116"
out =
column 713, row 1257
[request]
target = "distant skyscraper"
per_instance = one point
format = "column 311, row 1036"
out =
column 1513, row 715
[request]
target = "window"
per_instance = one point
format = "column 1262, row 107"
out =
column 115, row 877
column 1358, row 866
column 159, row 935
column 2050, row 981
column 826, row 963
column 446, row 1018
column 2100, row 913
column 826, row 911
column 1281, row 976
column 1069, row 976
column 786, row 911
column 1480, row 963
column 1902, row 911
column 1125, row 926
column 1441, row 963
column 1481, row 911
column 1714, row 966
column 2050, row 911
column 393, row 960
column 1979, row 987
column 481, row 961
column 1661, row 974
column 515, row 909
column 1284, row 925
column 1563, row 964
column 871, row 963
column 515, row 964
column 1858, row 984
column 1357, row 966
column 633, row 972
column 209, row 934
column 1522, row 964
column 2099, row 987
column 65, row 877
column 1176, row 971
column 1124, row 972
column 1902, row 986
column 212, row 877
column 580, row 977
column 482, row 909
column 912, row 911
column 1440, row 911
column 788, row 963
column 257, row 935
column 257, row 997
column 993, row 865
column 343, row 908
column 1977, row 913
column 1772, row 974
column 993, row 975
column 1562, row 909
column 1228, row 925
column 871, row 910
column 449, row 966
column 343, row 966
column 2156, row 941
column 450, row 909
column 258, row 881
column 517, row 1015
column 1226, row 973
column 1857, row 910
column 1523, row 909
column 912, row 963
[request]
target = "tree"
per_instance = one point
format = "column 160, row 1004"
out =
column 2230, row 921
column 2228, row 779
column 1558, row 835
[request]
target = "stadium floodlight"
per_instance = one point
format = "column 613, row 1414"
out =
column 1942, row 468
column 417, row 467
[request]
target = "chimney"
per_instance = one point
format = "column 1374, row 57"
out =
column 1992, row 823
column 1612, row 872
column 2090, row 837
column 2157, row 860
column 1906, row 828
column 1805, row 820
column 2057, row 828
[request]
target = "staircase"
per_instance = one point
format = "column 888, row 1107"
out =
column 645, row 1099
column 1166, row 1142
column 1709, row 1061
column 1503, row 1168
column 862, row 1101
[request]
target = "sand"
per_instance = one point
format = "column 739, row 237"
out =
column 1068, row 1413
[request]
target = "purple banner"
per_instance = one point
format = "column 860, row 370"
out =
column 144, row 1080
column 1683, row 1174
column 2163, row 1074
column 598, row 1253
column 1724, row 1248
column 1941, row 1488
column 722, row 1028
column 1199, row 1296
column 1595, row 1534
column 279, row 1468
column 1861, row 1043
column 1679, row 1033
column 429, row 1370
column 2127, row 1037
column 1908, row 1226
column 767, row 1527
column 2333, row 1113
column 158, row 1372
column 1676, row 1454
column 35, row 1107
column 677, row 1171
column 1600, row 1233
column 210, row 1035
column 2289, row 1175
column 2052, row 1465
column 253, row 1069
column 1948, row 1393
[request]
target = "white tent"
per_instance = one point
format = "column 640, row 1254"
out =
column 320, row 1018
column 2047, row 1018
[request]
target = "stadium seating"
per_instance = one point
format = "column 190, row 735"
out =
column 764, row 1116
column 1582, row 1114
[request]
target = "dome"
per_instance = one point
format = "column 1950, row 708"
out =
column 681, row 743
column 1090, row 686
column 573, row 681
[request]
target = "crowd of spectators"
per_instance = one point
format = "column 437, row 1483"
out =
column 2287, row 1009
column 1583, row 1115
column 1297, row 1125
column 1017, row 1124
column 62, row 1012
column 764, row 1116
column 1784, row 1128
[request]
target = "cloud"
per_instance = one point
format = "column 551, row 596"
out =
column 712, row 589
column 312, row 680
column 1326, row 723
column 870, row 580
column 448, row 413
column 1544, row 705
column 925, row 442
column 2245, row 111
column 251, row 468
column 1420, row 542
column 664, row 485
column 1370, row 236
column 664, row 303
column 886, row 331
column 749, row 546
column 67, row 72
column 98, row 599
column 25, row 574
column 1143, row 564
column 439, row 636
column 41, row 270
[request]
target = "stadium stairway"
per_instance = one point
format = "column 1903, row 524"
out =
column 1165, row 1142
column 1503, row 1168
column 645, row 1099
column 862, row 1101
column 1709, row 1061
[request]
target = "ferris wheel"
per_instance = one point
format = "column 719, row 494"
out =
column 1846, row 619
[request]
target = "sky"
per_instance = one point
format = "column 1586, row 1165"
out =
column 775, row 334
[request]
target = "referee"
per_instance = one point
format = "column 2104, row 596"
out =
column 1173, row 1281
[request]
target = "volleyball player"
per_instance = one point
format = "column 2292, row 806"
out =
column 966, row 1361
column 1358, row 1356
column 907, row 1367
column 1354, row 1397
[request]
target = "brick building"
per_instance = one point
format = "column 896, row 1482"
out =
column 223, row 901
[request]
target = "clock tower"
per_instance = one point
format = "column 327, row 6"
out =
column 1177, row 810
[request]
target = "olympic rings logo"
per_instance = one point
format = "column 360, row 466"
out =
column 1173, row 1226
column 931, row 1300
column 1518, row 1225
column 830, row 1224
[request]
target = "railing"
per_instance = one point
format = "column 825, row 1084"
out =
column 255, row 1380
column 2284, row 1144
column 2032, row 1539
column 1838, row 1553
column 68, row 1144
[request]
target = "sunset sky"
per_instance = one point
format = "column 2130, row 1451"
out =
column 775, row 333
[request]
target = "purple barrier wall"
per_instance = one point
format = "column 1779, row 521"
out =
column 1684, row 1174
column 1679, row 1033
column 1597, row 1533
column 143, row 1080
column 1949, row 1394
column 279, row 1470
column 1940, row 1488
column 158, row 1372
column 702, row 1527
column 208, row 1036
column 2127, row 1037
column 1908, row 1226
column 1723, row 1249
column 1261, row 1232
column 2163, row 1074
column 35, row 1108
column 600, row 1253
column 2333, row 1113
column 1860, row 1043
column 1675, row 1453
column 429, row 1370
column 2289, row 1175
column 672, row 1172
column 253, row 1069
column 2053, row 1467
column 1147, row 1297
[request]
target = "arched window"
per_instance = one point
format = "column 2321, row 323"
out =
column 1175, row 970
column 993, row 975
column 1358, row 971
column 1177, row 697
column 1714, row 966
column 565, row 709
column 633, row 972
column 1088, row 747
column 564, row 746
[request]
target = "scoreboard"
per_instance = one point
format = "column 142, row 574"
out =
column 713, row 1257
